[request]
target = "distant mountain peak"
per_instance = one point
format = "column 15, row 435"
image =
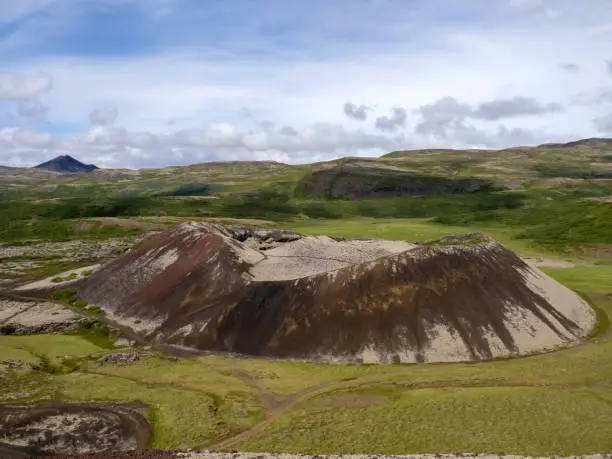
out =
column 66, row 164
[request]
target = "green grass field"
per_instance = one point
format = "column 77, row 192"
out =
column 521, row 420
column 54, row 346
column 416, row 230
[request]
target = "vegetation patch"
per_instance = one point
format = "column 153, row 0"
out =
column 70, row 277
column 458, row 240
column 70, row 298
column 480, row 420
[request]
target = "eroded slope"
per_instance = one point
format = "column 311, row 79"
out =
column 280, row 294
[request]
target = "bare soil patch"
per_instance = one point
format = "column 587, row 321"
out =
column 35, row 316
column 600, row 199
column 241, row 221
column 59, row 280
column 549, row 263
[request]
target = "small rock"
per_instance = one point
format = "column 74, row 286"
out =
column 122, row 357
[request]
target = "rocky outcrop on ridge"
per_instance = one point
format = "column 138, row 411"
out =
column 356, row 180
column 284, row 295
column 28, row 317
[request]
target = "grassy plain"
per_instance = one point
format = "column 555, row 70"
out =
column 417, row 230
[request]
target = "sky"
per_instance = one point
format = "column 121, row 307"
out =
column 153, row 83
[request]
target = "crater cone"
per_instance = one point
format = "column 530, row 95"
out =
column 281, row 294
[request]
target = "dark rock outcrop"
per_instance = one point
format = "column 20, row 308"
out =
column 358, row 182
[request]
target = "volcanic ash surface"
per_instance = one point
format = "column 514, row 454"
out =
column 280, row 294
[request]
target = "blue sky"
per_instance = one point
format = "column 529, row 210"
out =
column 146, row 83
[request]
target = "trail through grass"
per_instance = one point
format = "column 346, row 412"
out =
column 527, row 421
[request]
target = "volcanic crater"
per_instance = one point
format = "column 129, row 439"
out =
column 281, row 294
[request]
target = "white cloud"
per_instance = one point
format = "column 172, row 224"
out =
column 517, row 106
column 393, row 122
column 15, row 87
column 32, row 139
column 356, row 112
column 114, row 147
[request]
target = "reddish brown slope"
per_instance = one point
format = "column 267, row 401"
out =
column 201, row 286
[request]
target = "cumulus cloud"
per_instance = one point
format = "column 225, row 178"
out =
column 356, row 112
column 447, row 115
column 446, row 123
column 324, row 138
column 103, row 116
column 114, row 146
column 393, row 122
column 500, row 137
column 517, row 106
column 569, row 67
column 609, row 66
column 438, row 116
column 32, row 139
column 23, row 87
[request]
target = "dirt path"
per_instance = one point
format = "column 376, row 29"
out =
column 302, row 396
column 272, row 403
column 549, row 263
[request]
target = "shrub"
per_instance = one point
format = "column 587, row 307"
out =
column 7, row 329
column 47, row 366
column 65, row 296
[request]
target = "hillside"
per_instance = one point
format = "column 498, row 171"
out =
column 585, row 163
column 544, row 192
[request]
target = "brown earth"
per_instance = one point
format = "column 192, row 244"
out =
column 43, row 429
column 280, row 294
